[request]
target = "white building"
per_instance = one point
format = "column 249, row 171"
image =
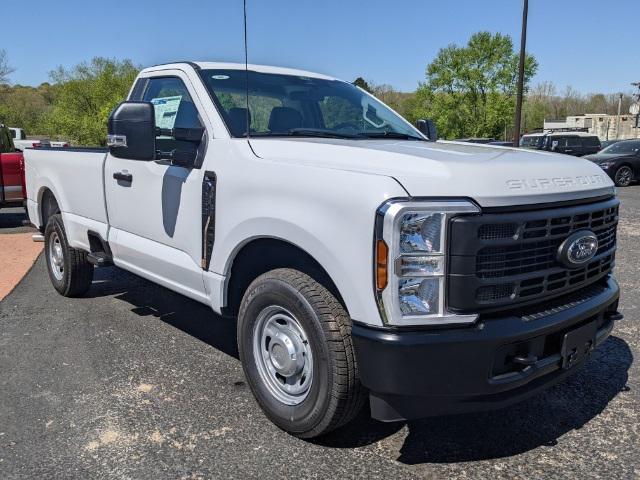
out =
column 603, row 125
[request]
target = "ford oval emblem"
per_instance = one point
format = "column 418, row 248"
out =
column 577, row 249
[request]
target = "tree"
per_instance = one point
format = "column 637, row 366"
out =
column 85, row 96
column 470, row 91
column 362, row 83
column 24, row 107
column 5, row 68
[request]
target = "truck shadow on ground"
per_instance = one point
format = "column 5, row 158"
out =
column 149, row 299
column 12, row 219
column 537, row 422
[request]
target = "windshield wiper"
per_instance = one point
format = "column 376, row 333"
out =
column 387, row 134
column 313, row 132
column 306, row 132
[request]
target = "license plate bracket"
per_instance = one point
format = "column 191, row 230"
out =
column 578, row 344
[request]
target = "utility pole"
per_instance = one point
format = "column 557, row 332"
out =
column 523, row 46
column 618, row 119
column 635, row 108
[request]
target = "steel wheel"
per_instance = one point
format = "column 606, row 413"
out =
column 283, row 355
column 624, row 176
column 56, row 256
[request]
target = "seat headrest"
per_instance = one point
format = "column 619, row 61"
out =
column 187, row 115
column 283, row 119
column 238, row 121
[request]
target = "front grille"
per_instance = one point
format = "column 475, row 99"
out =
column 505, row 259
column 524, row 257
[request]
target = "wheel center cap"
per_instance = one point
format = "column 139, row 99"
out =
column 285, row 356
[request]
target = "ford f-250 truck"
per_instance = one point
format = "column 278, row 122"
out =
column 361, row 258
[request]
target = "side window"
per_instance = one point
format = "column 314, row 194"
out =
column 590, row 141
column 574, row 142
column 559, row 141
column 174, row 108
column 173, row 104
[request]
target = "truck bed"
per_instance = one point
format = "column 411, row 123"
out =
column 75, row 177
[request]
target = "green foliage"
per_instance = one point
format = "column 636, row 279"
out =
column 470, row 91
column 85, row 96
column 25, row 107
column 362, row 83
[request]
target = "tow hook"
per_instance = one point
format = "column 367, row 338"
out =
column 615, row 315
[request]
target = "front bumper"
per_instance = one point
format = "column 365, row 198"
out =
column 497, row 362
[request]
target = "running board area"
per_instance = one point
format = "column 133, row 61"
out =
column 100, row 254
column 99, row 259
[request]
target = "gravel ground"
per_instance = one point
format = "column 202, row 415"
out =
column 134, row 381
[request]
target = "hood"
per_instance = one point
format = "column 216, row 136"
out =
column 603, row 157
column 491, row 175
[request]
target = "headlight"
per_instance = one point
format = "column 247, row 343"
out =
column 410, row 261
column 606, row 165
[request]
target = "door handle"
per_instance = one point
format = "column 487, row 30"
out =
column 123, row 176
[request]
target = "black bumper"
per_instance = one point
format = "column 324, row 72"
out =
column 497, row 362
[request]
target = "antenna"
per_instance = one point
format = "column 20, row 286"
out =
column 246, row 66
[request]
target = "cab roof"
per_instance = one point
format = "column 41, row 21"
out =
column 239, row 66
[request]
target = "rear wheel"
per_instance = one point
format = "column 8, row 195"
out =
column 623, row 176
column 294, row 340
column 70, row 272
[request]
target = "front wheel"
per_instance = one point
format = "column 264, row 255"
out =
column 70, row 272
column 294, row 340
column 623, row 176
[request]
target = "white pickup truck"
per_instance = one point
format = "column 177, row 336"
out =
column 21, row 141
column 361, row 258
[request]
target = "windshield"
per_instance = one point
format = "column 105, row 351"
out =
column 632, row 146
column 531, row 142
column 288, row 105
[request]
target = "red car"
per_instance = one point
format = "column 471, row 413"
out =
column 12, row 186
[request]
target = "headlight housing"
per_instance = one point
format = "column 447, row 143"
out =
column 413, row 236
column 605, row 165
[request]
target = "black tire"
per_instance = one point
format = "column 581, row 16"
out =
column 74, row 277
column 623, row 176
column 335, row 395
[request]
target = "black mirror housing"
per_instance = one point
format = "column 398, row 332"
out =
column 132, row 131
column 428, row 128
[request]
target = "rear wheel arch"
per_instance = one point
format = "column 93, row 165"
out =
column 48, row 205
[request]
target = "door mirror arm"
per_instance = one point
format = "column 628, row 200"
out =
column 183, row 134
column 179, row 158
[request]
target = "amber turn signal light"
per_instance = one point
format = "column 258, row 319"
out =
column 382, row 255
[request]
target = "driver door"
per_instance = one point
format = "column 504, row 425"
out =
column 154, row 207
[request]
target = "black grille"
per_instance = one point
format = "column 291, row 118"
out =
column 501, row 260
column 506, row 261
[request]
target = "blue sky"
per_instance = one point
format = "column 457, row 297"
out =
column 588, row 44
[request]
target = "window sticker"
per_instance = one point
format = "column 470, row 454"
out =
column 166, row 109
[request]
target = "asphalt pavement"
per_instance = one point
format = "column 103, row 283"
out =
column 134, row 381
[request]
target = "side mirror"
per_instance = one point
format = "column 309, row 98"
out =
column 427, row 128
column 132, row 131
